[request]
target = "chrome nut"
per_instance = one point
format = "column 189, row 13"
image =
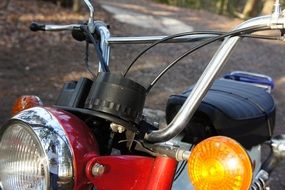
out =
column 98, row 170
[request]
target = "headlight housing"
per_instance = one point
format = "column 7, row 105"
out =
column 35, row 153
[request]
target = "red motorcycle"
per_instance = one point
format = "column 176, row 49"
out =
column 98, row 135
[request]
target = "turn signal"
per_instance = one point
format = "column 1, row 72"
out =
column 219, row 163
column 25, row 102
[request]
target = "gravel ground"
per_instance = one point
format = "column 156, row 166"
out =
column 40, row 63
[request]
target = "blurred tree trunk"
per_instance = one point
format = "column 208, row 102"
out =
column 220, row 6
column 76, row 5
column 162, row 1
column 249, row 8
column 198, row 4
column 5, row 4
column 267, row 7
column 223, row 6
column 231, row 7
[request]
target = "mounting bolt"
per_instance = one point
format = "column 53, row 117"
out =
column 117, row 128
column 98, row 170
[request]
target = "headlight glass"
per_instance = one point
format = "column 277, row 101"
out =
column 23, row 163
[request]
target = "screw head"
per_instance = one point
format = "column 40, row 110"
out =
column 98, row 170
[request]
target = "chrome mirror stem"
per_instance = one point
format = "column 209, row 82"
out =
column 277, row 8
column 91, row 25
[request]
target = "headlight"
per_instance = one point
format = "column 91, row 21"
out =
column 35, row 153
column 23, row 162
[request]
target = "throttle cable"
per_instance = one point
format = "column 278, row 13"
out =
column 104, row 65
column 238, row 32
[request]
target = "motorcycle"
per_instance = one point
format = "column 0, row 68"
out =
column 98, row 136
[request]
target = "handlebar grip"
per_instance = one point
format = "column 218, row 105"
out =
column 36, row 27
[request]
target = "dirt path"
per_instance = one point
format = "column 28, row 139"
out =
column 39, row 63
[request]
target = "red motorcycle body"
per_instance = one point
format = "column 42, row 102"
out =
column 120, row 172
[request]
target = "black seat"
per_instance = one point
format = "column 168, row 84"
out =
column 235, row 109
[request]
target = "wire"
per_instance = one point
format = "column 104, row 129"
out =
column 202, row 44
column 166, row 39
column 181, row 167
column 104, row 66
column 86, row 59
column 263, row 37
column 180, row 170
column 191, row 34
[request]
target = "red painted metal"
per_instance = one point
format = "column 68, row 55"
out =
column 133, row 173
column 121, row 172
column 83, row 144
column 162, row 174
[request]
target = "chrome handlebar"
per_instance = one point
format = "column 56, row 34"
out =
column 52, row 27
column 276, row 21
column 182, row 118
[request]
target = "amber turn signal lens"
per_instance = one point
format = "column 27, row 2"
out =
column 219, row 163
column 25, row 102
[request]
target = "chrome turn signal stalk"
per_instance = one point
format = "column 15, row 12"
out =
column 278, row 146
column 277, row 154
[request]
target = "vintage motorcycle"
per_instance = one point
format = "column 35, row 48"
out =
column 97, row 135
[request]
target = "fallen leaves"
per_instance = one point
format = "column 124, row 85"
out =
column 17, row 17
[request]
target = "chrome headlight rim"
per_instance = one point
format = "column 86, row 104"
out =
column 50, row 135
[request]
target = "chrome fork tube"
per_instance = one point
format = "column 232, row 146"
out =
column 193, row 101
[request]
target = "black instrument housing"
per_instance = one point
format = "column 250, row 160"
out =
column 110, row 96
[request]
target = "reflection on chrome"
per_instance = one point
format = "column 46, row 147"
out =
column 55, row 144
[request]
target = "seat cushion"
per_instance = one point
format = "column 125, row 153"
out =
column 239, row 110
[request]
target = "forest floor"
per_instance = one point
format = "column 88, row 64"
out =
column 39, row 63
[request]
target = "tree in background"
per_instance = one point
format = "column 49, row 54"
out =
column 4, row 4
column 249, row 8
column 76, row 5
column 226, row 7
column 237, row 8
column 267, row 7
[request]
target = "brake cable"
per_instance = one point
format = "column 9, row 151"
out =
column 238, row 32
column 167, row 39
column 86, row 59
column 104, row 65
